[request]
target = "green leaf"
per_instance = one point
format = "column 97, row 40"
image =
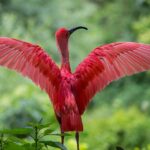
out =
column 53, row 144
column 16, row 140
column 42, row 126
column 48, row 131
column 29, row 146
column 39, row 126
column 14, row 146
column 19, row 131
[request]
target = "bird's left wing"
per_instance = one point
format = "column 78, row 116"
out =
column 31, row 61
column 105, row 64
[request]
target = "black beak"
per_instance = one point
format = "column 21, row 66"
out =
column 76, row 28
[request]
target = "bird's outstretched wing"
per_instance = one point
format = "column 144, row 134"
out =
column 31, row 61
column 107, row 63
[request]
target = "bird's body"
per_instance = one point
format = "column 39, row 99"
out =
column 66, row 108
column 69, row 92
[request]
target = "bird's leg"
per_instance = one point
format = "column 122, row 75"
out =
column 62, row 137
column 77, row 140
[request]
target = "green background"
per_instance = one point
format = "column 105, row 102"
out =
column 118, row 115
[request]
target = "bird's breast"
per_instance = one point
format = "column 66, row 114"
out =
column 66, row 99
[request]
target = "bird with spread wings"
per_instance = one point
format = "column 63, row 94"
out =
column 71, row 92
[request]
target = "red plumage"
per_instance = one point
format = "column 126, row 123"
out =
column 31, row 61
column 70, row 92
column 107, row 63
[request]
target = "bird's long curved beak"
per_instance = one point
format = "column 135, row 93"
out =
column 76, row 28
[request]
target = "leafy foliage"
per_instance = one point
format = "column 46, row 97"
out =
column 36, row 131
column 128, row 128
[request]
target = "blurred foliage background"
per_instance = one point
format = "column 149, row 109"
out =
column 120, row 114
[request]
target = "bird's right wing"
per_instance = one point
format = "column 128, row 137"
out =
column 31, row 61
column 105, row 64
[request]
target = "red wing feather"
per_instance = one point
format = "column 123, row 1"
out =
column 31, row 61
column 107, row 63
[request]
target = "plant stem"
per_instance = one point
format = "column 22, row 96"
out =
column 36, row 138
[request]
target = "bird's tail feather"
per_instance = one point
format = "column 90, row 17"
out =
column 71, row 122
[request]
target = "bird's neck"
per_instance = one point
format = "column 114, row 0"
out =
column 65, row 65
column 62, row 44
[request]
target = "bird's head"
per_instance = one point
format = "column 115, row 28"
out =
column 62, row 35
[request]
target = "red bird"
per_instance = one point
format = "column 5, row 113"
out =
column 70, row 92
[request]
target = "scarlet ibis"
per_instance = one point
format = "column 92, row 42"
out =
column 70, row 92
